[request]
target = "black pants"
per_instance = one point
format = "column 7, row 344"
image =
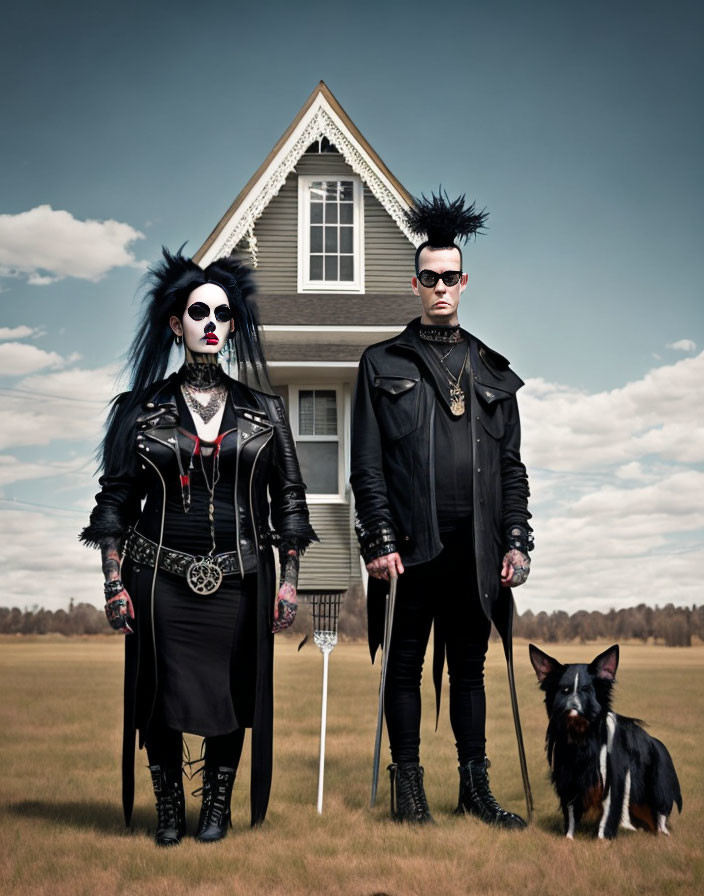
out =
column 443, row 591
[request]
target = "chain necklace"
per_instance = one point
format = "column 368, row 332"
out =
column 204, row 574
column 457, row 396
column 205, row 411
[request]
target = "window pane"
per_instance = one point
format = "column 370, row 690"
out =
column 346, row 267
column 306, row 411
column 316, row 267
column 330, row 213
column 331, row 267
column 346, row 239
column 325, row 412
column 346, row 212
column 316, row 239
column 316, row 212
column 317, row 191
column 331, row 239
column 346, row 190
column 318, row 462
column 331, row 190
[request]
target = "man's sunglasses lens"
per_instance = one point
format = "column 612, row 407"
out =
column 430, row 278
column 199, row 311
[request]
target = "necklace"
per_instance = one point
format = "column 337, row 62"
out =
column 447, row 354
column 431, row 333
column 204, row 575
column 457, row 396
column 205, row 411
column 201, row 377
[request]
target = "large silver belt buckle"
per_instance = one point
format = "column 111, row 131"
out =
column 204, row 576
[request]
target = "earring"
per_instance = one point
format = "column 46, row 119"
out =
column 178, row 339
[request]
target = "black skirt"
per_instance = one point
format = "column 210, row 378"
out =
column 205, row 654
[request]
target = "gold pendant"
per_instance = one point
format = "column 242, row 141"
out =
column 457, row 402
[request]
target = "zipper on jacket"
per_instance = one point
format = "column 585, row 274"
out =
column 156, row 570
column 251, row 500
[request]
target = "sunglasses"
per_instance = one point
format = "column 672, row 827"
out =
column 430, row 278
column 199, row 311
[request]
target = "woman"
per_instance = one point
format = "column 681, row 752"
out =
column 194, row 590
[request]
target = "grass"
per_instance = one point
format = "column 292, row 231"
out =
column 61, row 829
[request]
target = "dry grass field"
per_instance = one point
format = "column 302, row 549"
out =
column 61, row 830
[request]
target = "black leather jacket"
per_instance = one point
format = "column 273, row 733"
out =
column 265, row 461
column 393, row 451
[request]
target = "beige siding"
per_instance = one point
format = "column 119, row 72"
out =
column 388, row 255
column 327, row 565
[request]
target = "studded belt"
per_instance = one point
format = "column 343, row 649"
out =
column 203, row 573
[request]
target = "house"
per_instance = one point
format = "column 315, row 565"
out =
column 322, row 222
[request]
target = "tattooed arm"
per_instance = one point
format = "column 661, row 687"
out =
column 118, row 604
column 286, row 603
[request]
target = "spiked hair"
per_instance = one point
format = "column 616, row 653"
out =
column 444, row 223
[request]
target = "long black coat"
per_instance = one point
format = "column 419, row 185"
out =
column 393, row 463
column 265, row 463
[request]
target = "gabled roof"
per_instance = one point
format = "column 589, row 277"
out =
column 321, row 116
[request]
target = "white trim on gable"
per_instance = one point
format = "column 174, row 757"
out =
column 320, row 120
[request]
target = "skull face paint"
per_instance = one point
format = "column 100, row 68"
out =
column 207, row 334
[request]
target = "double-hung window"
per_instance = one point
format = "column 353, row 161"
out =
column 315, row 421
column 330, row 217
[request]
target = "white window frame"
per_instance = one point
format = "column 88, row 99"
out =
column 305, row 284
column 293, row 392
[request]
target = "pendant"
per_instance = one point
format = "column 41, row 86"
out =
column 204, row 576
column 457, row 405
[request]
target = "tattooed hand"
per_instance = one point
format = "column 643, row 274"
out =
column 515, row 569
column 119, row 611
column 286, row 603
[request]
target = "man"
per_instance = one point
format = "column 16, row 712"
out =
column 441, row 498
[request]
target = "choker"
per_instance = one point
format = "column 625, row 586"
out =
column 201, row 377
column 448, row 334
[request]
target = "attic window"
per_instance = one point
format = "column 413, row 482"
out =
column 330, row 217
column 324, row 145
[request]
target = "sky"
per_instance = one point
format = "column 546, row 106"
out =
column 578, row 126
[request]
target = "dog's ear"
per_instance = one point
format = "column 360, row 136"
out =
column 605, row 665
column 542, row 663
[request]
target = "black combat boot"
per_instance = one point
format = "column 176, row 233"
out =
column 215, row 809
column 408, row 800
column 477, row 799
column 170, row 805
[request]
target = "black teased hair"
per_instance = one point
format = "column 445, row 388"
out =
column 444, row 223
column 167, row 287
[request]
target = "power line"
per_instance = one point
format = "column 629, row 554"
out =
column 13, row 501
column 94, row 401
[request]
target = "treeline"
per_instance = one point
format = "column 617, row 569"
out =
column 669, row 625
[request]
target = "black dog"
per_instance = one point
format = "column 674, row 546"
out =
column 598, row 759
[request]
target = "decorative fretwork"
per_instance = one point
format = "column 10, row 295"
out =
column 320, row 125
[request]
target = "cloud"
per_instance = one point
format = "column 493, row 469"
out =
column 77, row 470
column 69, row 405
column 572, row 430
column 683, row 345
column 19, row 359
column 45, row 245
column 40, row 546
column 21, row 332
column 617, row 490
